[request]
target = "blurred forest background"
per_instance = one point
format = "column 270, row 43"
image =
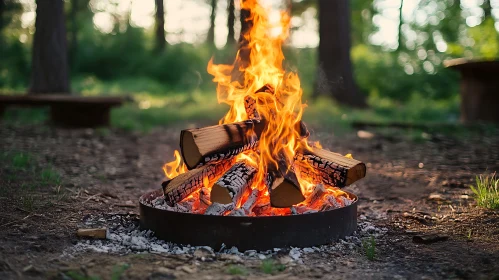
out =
column 157, row 51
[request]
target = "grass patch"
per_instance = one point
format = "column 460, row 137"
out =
column 237, row 270
column 50, row 176
column 269, row 266
column 21, row 160
column 369, row 246
column 486, row 191
column 118, row 271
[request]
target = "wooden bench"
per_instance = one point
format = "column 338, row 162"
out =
column 479, row 89
column 67, row 110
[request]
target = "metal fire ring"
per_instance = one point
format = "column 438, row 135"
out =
column 247, row 233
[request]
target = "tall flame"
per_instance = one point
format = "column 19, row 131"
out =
column 283, row 108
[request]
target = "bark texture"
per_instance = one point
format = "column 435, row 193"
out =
column 49, row 67
column 160, row 25
column 335, row 75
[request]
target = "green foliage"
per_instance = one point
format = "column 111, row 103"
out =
column 486, row 39
column 118, row 271
column 486, row 191
column 369, row 246
column 21, row 160
column 269, row 266
column 237, row 270
column 50, row 176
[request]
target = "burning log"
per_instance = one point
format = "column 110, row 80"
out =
column 321, row 166
column 218, row 209
column 204, row 197
column 261, row 207
column 200, row 146
column 283, row 186
column 183, row 185
column 251, row 201
column 233, row 184
column 316, row 195
column 252, row 113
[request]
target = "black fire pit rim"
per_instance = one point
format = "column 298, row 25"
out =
column 249, row 233
column 159, row 192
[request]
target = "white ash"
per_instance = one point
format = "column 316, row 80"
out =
column 125, row 237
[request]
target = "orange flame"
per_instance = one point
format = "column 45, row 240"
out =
column 176, row 167
column 282, row 109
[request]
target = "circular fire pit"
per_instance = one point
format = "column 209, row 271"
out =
column 246, row 233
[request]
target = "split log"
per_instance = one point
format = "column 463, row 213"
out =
column 283, row 186
column 201, row 146
column 218, row 209
column 233, row 184
column 332, row 169
column 250, row 201
column 97, row 233
column 183, row 185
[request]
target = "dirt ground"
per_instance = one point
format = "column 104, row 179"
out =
column 413, row 188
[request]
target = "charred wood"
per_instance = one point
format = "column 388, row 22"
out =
column 219, row 209
column 183, row 185
column 321, row 166
column 233, row 184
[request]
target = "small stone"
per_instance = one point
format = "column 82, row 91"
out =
column 308, row 250
column 233, row 250
column 295, row 253
column 203, row 254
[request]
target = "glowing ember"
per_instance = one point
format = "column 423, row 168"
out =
column 279, row 106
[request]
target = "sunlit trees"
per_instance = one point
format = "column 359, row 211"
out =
column 49, row 65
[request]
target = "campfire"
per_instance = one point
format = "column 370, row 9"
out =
column 258, row 161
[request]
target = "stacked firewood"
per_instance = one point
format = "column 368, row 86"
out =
column 210, row 156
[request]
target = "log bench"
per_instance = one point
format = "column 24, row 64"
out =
column 479, row 89
column 67, row 110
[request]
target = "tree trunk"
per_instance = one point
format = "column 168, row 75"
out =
column 49, row 70
column 231, row 19
column 335, row 75
column 487, row 9
column 401, row 21
column 160, row 25
column 211, row 32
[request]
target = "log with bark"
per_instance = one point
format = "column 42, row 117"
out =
column 183, row 185
column 200, row 146
column 233, row 184
column 332, row 169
